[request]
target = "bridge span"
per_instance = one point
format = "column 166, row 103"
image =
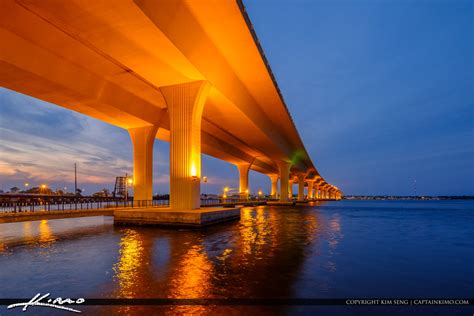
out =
column 189, row 72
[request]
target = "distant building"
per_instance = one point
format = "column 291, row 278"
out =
column 15, row 190
column 102, row 193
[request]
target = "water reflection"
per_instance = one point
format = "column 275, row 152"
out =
column 265, row 250
column 131, row 263
column 46, row 237
column 303, row 252
column 262, row 255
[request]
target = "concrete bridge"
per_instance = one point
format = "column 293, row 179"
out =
column 188, row 72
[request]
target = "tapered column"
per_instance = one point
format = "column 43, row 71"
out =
column 284, row 169
column 310, row 189
column 185, row 105
column 301, row 178
column 143, row 139
column 244, row 180
column 274, row 179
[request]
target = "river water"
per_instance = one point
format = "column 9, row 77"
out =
column 344, row 249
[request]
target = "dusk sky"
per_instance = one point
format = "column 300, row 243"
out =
column 381, row 92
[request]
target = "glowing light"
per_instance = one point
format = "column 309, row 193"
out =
column 44, row 186
column 193, row 171
column 26, row 184
column 226, row 189
column 260, row 192
column 247, row 191
column 130, row 181
column 204, row 179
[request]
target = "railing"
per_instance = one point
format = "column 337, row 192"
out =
column 76, row 204
column 89, row 203
column 222, row 201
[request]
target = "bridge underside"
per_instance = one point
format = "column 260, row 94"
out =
column 134, row 63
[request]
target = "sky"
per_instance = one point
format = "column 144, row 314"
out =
column 381, row 91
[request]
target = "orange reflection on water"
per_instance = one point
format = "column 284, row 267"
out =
column 255, row 232
column 45, row 233
column 192, row 277
column 127, row 269
column 28, row 236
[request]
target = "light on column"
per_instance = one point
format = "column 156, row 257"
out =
column 193, row 172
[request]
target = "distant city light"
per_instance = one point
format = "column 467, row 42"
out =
column 130, row 181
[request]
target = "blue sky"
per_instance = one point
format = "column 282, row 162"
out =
column 382, row 93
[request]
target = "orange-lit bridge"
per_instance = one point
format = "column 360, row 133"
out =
column 188, row 72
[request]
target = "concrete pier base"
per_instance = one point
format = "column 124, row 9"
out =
column 302, row 202
column 280, row 203
column 168, row 217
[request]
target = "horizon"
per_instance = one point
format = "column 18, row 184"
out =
column 380, row 107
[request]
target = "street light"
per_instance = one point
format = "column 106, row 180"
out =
column 226, row 189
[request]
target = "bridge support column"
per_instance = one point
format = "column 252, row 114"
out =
column 310, row 189
column 143, row 139
column 274, row 179
column 244, row 180
column 284, row 168
column 301, row 178
column 185, row 106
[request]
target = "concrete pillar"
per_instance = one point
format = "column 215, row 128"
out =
column 301, row 178
column 143, row 139
column 284, row 169
column 244, row 180
column 274, row 179
column 185, row 105
column 310, row 189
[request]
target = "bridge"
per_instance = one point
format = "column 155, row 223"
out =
column 172, row 70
